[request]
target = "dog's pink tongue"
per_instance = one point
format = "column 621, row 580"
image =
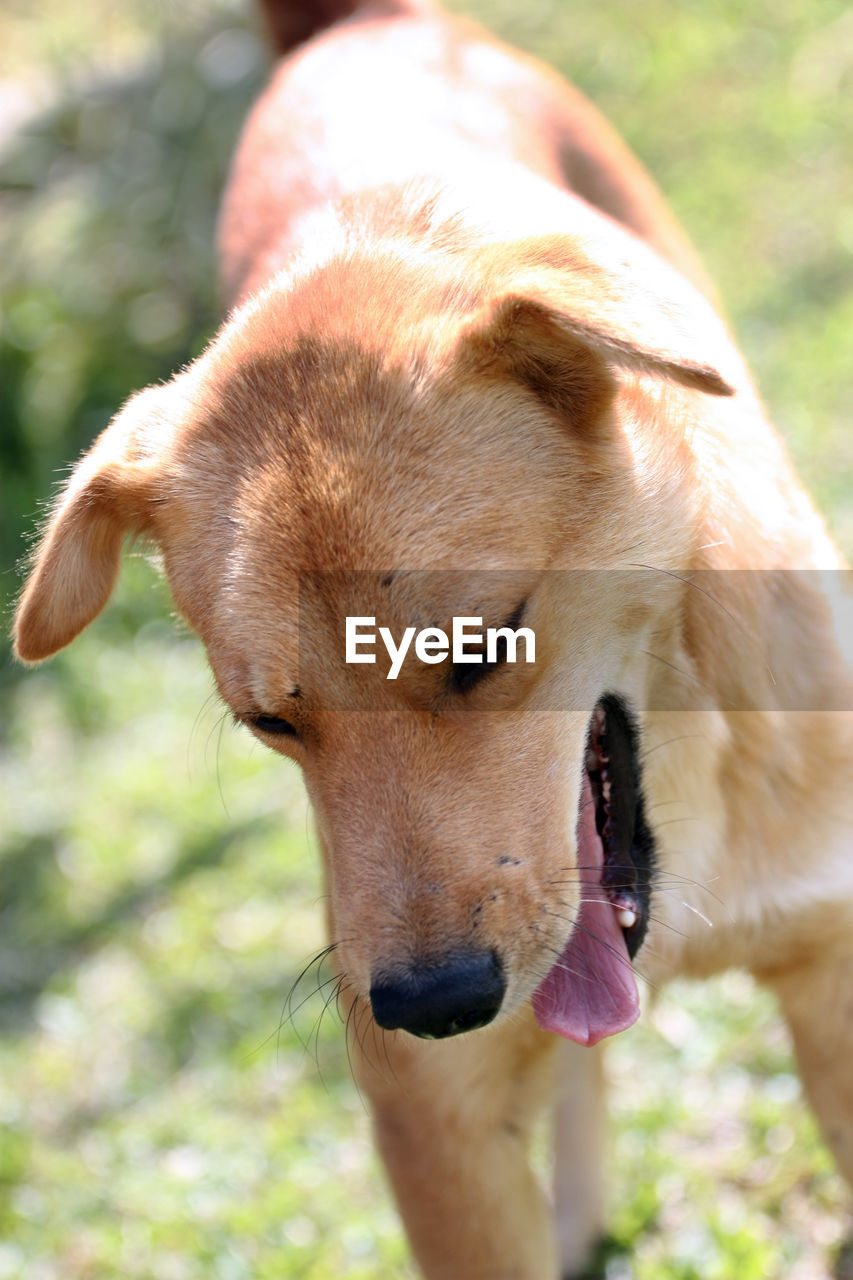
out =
column 591, row 992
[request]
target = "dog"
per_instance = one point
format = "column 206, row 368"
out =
column 474, row 374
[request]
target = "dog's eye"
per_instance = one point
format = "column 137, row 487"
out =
column 274, row 724
column 463, row 678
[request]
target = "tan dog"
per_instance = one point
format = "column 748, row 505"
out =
column 471, row 372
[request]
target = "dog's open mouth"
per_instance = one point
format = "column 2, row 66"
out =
column 591, row 991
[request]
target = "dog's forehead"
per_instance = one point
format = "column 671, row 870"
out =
column 353, row 460
column 420, row 598
column 360, row 490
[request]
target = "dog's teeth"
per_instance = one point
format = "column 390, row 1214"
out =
column 626, row 917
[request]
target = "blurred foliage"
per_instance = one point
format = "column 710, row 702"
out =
column 108, row 203
column 165, row 1110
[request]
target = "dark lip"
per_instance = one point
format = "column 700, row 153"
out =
column 615, row 775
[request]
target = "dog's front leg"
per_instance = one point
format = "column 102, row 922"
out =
column 580, row 1134
column 817, row 1000
column 452, row 1120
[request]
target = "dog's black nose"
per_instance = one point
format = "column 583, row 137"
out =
column 463, row 993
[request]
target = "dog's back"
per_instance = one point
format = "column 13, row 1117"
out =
column 400, row 93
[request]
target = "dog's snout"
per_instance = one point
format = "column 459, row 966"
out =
column 461, row 994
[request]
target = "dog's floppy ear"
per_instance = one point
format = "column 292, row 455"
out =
column 565, row 310
column 111, row 493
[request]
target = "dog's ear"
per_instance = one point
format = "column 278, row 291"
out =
column 564, row 312
column 112, row 492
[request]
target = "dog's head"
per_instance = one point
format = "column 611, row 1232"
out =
column 416, row 434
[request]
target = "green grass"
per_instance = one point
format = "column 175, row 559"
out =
column 160, row 1114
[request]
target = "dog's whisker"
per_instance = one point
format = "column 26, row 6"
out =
column 667, row 924
column 698, row 913
column 328, row 1000
column 365, row 1021
column 348, row 1026
column 292, row 1011
column 607, row 946
column 211, row 699
column 291, row 1007
column 559, row 961
column 317, row 959
column 668, row 742
column 692, row 679
column 223, row 720
column 687, row 580
column 390, row 1064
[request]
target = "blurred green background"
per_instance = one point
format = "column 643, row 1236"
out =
column 160, row 1113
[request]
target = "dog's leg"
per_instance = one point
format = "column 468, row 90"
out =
column 817, row 1000
column 579, row 1162
column 453, row 1120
